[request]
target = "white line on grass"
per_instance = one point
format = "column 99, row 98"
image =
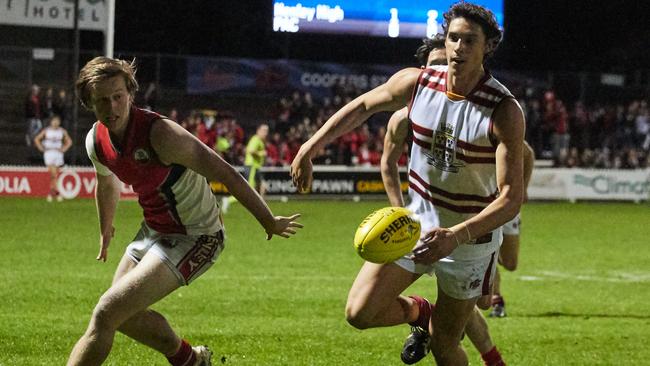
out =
column 625, row 277
column 619, row 277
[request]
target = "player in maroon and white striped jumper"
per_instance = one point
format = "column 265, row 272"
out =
column 416, row 347
column 182, row 234
column 465, row 181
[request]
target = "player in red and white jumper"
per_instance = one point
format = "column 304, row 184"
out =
column 182, row 234
column 465, row 182
column 53, row 141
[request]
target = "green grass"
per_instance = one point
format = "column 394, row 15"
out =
column 580, row 296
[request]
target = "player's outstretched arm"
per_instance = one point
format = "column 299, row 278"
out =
column 391, row 96
column 396, row 132
column 107, row 195
column 174, row 145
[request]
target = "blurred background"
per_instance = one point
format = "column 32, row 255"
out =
column 581, row 70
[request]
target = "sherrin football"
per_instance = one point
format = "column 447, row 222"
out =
column 387, row 234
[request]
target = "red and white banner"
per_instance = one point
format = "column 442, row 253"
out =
column 73, row 182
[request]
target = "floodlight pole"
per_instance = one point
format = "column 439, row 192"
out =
column 109, row 33
column 75, row 72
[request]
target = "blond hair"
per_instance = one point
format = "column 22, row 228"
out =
column 100, row 69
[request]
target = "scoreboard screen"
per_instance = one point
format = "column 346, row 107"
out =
column 381, row 18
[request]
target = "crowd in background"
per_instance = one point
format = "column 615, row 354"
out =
column 294, row 119
column 604, row 135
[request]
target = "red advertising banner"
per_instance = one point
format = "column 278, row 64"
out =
column 73, row 182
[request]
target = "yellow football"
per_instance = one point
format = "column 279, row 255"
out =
column 387, row 234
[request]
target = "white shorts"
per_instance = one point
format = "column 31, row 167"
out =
column 460, row 279
column 512, row 227
column 188, row 256
column 53, row 157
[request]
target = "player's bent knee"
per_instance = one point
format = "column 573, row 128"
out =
column 104, row 316
column 357, row 317
column 354, row 313
column 102, row 320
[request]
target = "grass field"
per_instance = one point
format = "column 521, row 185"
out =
column 580, row 297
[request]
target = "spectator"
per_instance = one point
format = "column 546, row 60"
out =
column 556, row 121
column 367, row 155
column 277, row 151
column 191, row 123
column 33, row 114
column 206, row 131
column 173, row 115
column 48, row 103
column 642, row 126
column 151, row 96
column 535, row 127
column 62, row 107
column 283, row 116
column 579, row 127
column 630, row 159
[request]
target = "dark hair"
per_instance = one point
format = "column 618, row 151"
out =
column 53, row 116
column 100, row 69
column 481, row 16
column 428, row 45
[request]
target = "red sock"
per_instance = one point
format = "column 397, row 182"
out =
column 184, row 356
column 493, row 358
column 424, row 312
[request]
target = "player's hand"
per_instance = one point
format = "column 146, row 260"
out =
column 434, row 245
column 283, row 226
column 104, row 242
column 301, row 172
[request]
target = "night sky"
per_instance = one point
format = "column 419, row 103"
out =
column 572, row 35
column 539, row 35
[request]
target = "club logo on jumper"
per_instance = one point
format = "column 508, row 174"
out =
column 141, row 156
column 443, row 150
